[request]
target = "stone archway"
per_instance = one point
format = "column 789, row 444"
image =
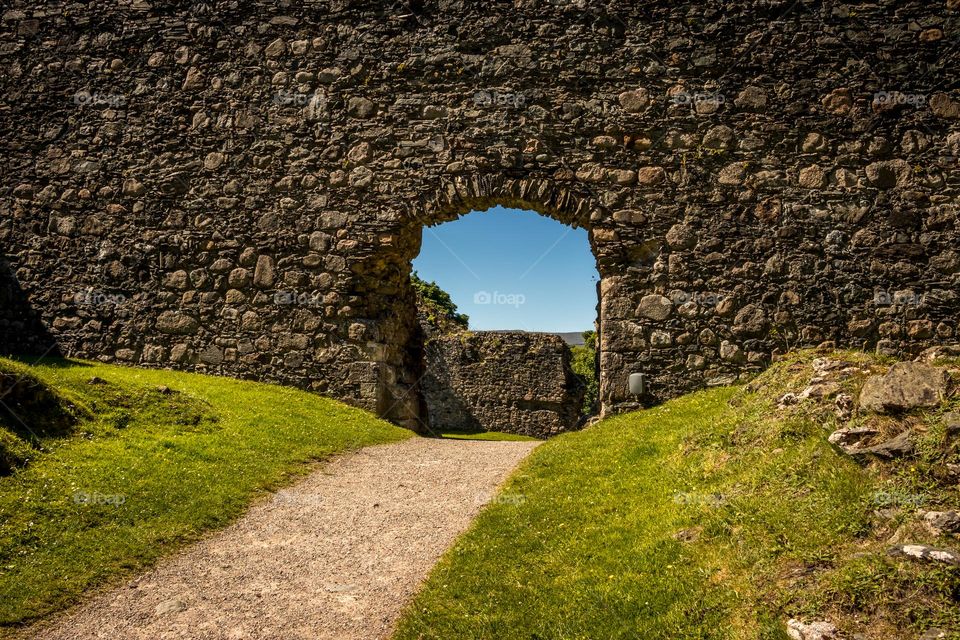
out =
column 402, row 363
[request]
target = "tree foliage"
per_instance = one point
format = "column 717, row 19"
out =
column 437, row 304
column 584, row 364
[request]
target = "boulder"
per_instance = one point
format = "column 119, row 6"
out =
column 265, row 272
column 951, row 422
column 732, row 352
column 944, row 107
column 843, row 407
column 787, row 400
column 681, row 236
column 750, row 321
column 751, row 98
column 634, row 101
column 932, row 354
column 276, row 48
column 361, row 108
column 907, row 386
column 211, row 355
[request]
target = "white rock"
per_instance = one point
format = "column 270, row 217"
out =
column 819, row 630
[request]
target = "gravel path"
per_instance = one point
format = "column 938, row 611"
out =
column 337, row 555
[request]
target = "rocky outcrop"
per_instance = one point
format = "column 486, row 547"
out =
column 896, row 432
column 926, row 553
column 943, row 522
column 907, row 386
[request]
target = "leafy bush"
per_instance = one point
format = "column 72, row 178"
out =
column 436, row 303
column 584, row 365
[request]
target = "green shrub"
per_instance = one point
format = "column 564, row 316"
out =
column 584, row 364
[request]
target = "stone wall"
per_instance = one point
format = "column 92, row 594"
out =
column 514, row 382
column 239, row 188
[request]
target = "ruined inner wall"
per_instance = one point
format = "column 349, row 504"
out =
column 509, row 381
column 239, row 187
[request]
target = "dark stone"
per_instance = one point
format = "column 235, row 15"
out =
column 943, row 521
column 951, row 422
column 898, row 447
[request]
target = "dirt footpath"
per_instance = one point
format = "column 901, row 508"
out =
column 337, row 555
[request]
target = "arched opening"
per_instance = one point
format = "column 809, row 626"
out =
column 507, row 307
column 382, row 362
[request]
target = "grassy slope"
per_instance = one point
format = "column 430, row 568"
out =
column 156, row 470
column 712, row 516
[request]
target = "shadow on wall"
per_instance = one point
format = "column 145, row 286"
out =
column 21, row 330
column 446, row 410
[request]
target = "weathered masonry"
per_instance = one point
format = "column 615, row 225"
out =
column 500, row 381
column 239, row 187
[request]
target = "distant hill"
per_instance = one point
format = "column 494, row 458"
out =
column 573, row 338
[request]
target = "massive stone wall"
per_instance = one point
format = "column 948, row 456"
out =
column 512, row 381
column 239, row 187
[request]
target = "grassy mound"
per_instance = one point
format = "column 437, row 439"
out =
column 31, row 415
column 718, row 515
column 154, row 459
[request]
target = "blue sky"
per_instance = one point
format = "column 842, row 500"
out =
column 510, row 269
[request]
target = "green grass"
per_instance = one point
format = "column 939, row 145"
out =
column 487, row 435
column 712, row 516
column 147, row 471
